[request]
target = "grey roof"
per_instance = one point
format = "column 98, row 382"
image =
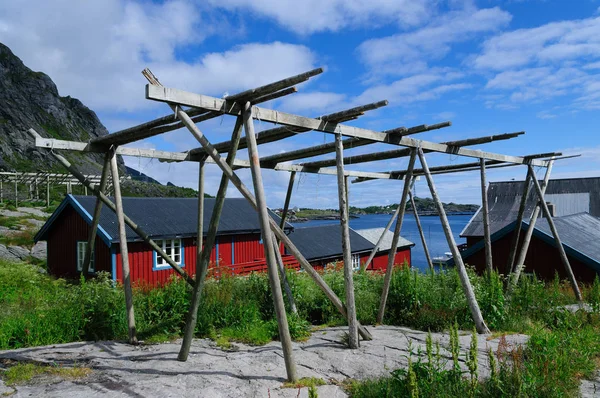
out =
column 166, row 217
column 325, row 241
column 373, row 235
column 570, row 196
column 580, row 232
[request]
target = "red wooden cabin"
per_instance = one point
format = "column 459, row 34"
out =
column 172, row 223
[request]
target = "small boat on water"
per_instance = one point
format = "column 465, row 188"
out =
column 441, row 260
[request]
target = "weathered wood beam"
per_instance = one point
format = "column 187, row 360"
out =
column 517, row 232
column 397, row 153
column 124, row 251
column 279, row 133
column 272, row 272
column 462, row 272
column 397, row 229
column 353, row 341
column 561, row 250
column 380, row 240
column 96, row 219
column 211, row 237
column 520, row 263
column 461, row 167
column 145, row 130
column 487, row 236
column 420, row 227
column 348, row 143
column 174, row 96
column 288, row 198
column 281, row 235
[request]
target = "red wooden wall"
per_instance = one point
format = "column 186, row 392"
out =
column 380, row 260
column 542, row 258
column 67, row 230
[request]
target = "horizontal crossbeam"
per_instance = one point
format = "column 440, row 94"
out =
column 180, row 97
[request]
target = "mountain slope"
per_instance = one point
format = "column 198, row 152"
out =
column 30, row 99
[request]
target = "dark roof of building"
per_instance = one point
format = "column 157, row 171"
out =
column 163, row 217
column 325, row 241
column 569, row 196
column 579, row 234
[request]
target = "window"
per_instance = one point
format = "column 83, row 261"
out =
column 172, row 248
column 81, row 249
column 355, row 262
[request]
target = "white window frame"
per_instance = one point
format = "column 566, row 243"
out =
column 356, row 262
column 81, row 249
column 173, row 248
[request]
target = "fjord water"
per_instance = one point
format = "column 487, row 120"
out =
column 434, row 234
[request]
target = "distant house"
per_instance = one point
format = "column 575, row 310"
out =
column 323, row 244
column 172, row 224
column 580, row 236
column 565, row 196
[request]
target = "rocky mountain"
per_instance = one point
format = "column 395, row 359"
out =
column 30, row 99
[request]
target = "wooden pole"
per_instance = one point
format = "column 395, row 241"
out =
column 420, row 228
column 16, row 192
column 37, row 191
column 392, row 253
column 288, row 197
column 292, row 249
column 200, row 234
column 353, row 341
column 211, row 237
column 520, row 264
column 124, row 252
column 462, row 272
column 347, row 193
column 97, row 210
column 380, row 240
column 47, row 191
column 516, row 234
column 286, row 285
column 261, row 202
column 1, row 193
column 487, row 237
column 559, row 246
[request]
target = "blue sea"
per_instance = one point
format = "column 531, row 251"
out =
column 434, row 235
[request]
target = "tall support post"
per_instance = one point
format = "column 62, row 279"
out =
column 347, row 193
column 1, row 192
column 200, row 234
column 487, row 236
column 48, row 191
column 261, row 202
column 517, row 233
column 462, row 272
column 286, row 285
column 288, row 197
column 420, row 228
column 16, row 192
column 559, row 246
column 96, row 219
column 211, row 236
column 520, row 264
column 124, row 252
column 392, row 254
column 37, row 191
column 237, row 182
column 85, row 190
column 353, row 341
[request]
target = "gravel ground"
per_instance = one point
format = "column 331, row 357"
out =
column 153, row 370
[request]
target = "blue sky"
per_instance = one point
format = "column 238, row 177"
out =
column 488, row 66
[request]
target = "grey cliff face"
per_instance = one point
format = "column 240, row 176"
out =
column 30, row 99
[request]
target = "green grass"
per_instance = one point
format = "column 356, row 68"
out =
column 22, row 373
column 36, row 309
column 305, row 382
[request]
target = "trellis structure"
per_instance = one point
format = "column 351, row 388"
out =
column 34, row 180
column 190, row 109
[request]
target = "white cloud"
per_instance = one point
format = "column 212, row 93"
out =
column 310, row 16
column 317, row 102
column 95, row 50
column 408, row 52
